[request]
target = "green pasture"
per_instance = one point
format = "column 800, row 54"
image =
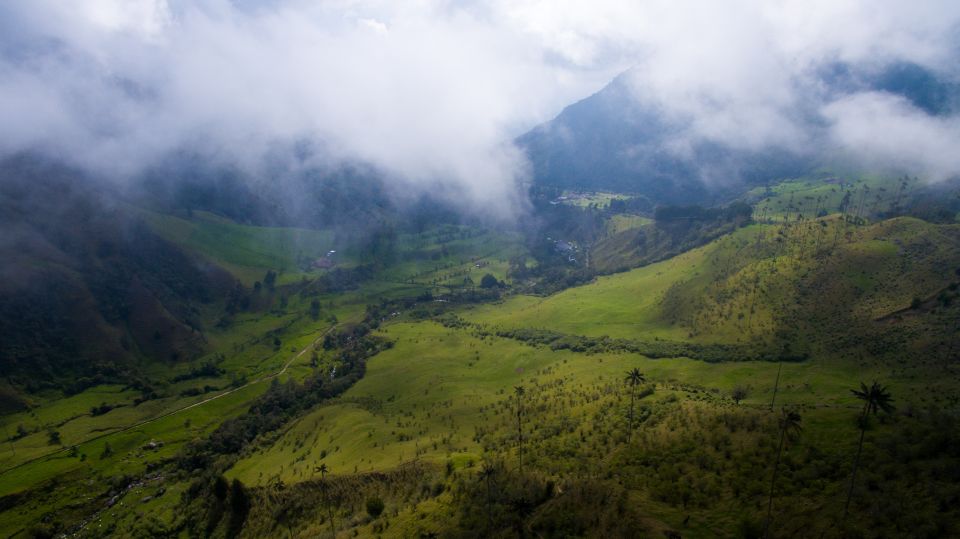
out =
column 246, row 251
column 623, row 221
column 807, row 196
column 78, row 475
column 625, row 305
column 735, row 288
column 427, row 397
column 447, row 257
column 599, row 199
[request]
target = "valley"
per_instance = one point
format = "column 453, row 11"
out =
column 287, row 269
column 725, row 334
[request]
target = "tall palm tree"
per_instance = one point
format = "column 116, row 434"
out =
column 323, row 469
column 875, row 398
column 487, row 472
column 519, row 391
column 634, row 378
column 789, row 429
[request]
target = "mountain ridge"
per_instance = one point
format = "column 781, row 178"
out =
column 615, row 140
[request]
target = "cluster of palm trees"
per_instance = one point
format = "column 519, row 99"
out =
column 876, row 398
column 634, row 378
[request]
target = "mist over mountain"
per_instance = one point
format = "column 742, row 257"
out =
column 612, row 141
column 624, row 139
column 91, row 289
column 88, row 291
column 430, row 97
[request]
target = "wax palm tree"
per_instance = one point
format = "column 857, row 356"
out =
column 487, row 473
column 875, row 399
column 519, row 391
column 323, row 469
column 633, row 379
column 789, row 429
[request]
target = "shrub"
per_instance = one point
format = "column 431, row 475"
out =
column 374, row 506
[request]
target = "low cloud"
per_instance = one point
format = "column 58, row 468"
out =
column 752, row 75
column 433, row 92
column 431, row 96
column 887, row 132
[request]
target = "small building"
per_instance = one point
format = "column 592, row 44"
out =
column 323, row 263
column 326, row 262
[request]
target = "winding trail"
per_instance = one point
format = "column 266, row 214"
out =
column 178, row 410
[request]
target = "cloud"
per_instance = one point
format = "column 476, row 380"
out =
column 749, row 74
column 430, row 94
column 433, row 91
column 886, row 131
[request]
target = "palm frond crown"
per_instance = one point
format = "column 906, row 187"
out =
column 635, row 377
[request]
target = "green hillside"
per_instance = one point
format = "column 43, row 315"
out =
column 247, row 251
column 763, row 283
column 323, row 399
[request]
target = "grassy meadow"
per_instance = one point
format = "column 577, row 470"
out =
column 246, row 251
column 432, row 406
column 598, row 199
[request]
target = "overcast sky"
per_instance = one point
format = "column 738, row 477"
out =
column 434, row 91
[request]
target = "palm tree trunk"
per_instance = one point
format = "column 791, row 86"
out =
column 333, row 528
column 773, row 481
column 776, row 384
column 326, row 500
column 489, row 503
column 520, row 434
column 853, row 476
column 633, row 394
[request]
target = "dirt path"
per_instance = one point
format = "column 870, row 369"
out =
column 178, row 410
